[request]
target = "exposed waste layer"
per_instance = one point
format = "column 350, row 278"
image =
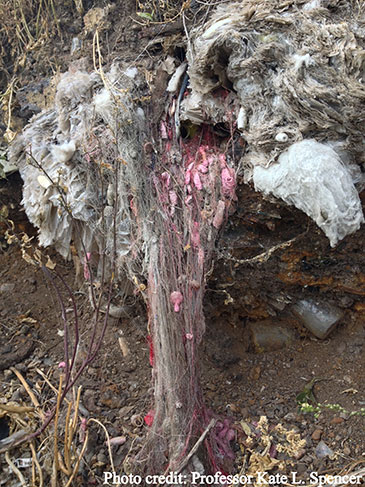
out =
column 69, row 162
column 290, row 74
column 153, row 208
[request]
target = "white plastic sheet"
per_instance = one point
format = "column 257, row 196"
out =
column 311, row 176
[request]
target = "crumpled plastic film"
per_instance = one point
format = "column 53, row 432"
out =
column 311, row 176
column 65, row 151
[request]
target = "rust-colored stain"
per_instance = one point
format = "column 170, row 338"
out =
column 354, row 284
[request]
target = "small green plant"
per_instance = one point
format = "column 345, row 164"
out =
column 317, row 409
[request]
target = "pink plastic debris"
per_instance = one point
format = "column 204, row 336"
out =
column 228, row 182
column 173, row 198
column 230, row 435
column 148, row 419
column 222, row 161
column 189, row 336
column 203, row 168
column 188, row 199
column 197, row 181
column 62, row 365
column 219, row 214
column 176, row 299
column 163, row 131
column 166, row 178
column 187, row 177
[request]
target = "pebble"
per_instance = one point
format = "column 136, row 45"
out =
column 290, row 417
column 124, row 411
column 337, row 420
column 267, row 336
column 89, row 401
column 316, row 435
column 302, row 468
column 299, row 454
column 7, row 374
column 7, row 287
column 101, row 457
column 323, row 451
column 21, row 367
column 244, row 413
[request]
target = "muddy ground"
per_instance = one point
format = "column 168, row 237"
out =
column 238, row 380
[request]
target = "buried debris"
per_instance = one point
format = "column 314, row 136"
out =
column 294, row 87
column 151, row 201
column 318, row 317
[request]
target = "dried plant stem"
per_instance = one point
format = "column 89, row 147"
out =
column 76, row 467
column 15, row 470
column 29, row 391
column 36, row 464
column 108, row 440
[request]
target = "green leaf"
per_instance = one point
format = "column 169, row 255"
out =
column 145, row 15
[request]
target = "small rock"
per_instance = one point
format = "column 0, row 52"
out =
column 89, row 401
column 345, row 416
column 302, row 468
column 129, row 366
column 7, row 374
column 124, row 411
column 244, row 413
column 101, row 457
column 323, row 451
column 7, row 287
column 290, row 417
column 299, row 454
column 347, row 451
column 267, row 336
column 255, row 373
column 21, row 367
column 345, row 302
column 337, row 420
column 316, row 435
column 18, row 394
column 92, row 371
